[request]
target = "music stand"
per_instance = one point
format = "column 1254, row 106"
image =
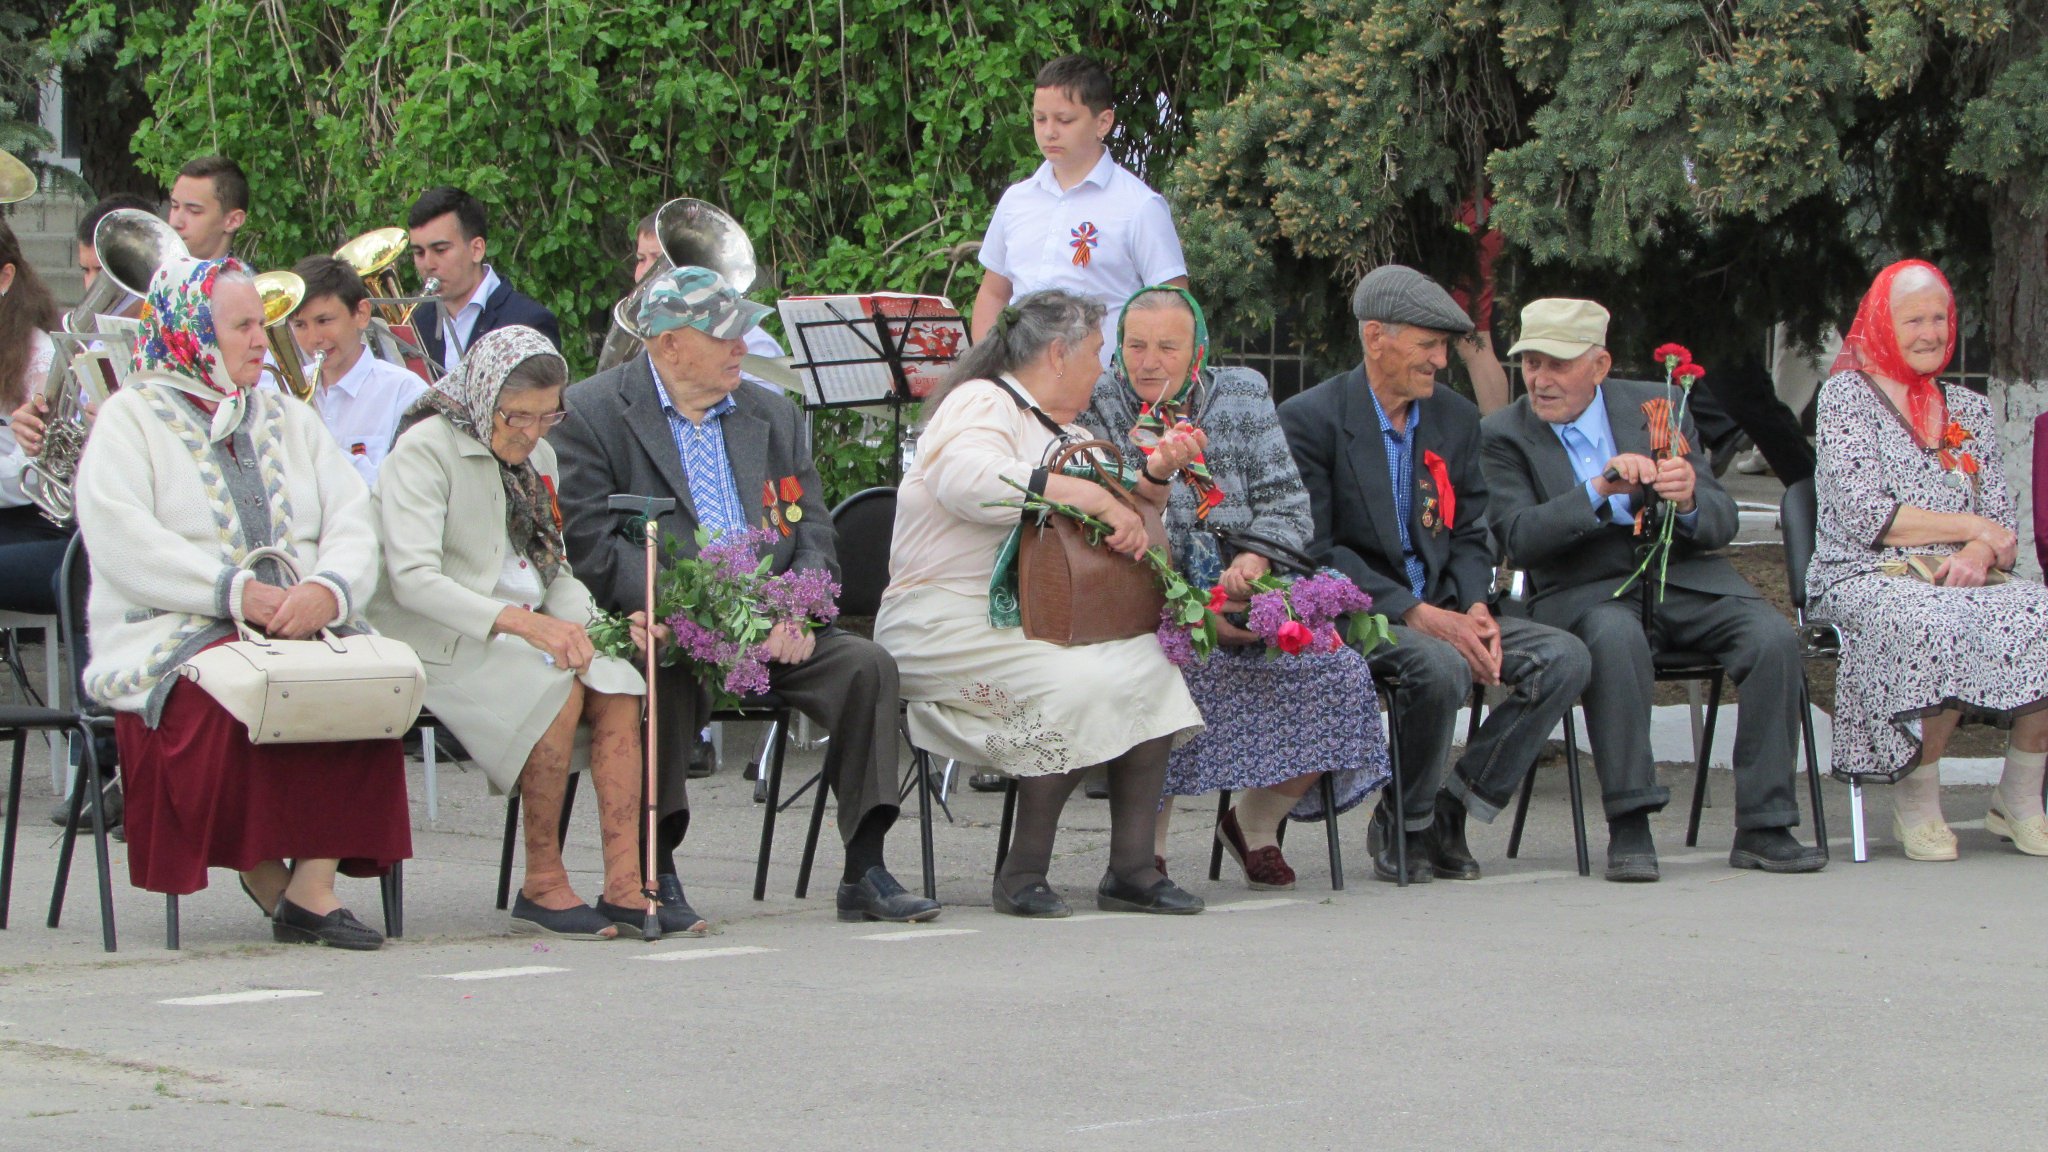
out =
column 883, row 348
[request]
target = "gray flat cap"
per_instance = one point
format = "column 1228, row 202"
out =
column 1398, row 294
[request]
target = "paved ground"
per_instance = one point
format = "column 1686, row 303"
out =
column 1869, row 1006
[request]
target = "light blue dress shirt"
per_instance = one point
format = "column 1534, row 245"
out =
column 1589, row 443
column 713, row 491
column 1401, row 474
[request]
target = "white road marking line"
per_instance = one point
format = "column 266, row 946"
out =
column 1186, row 1116
column 1255, row 905
column 705, row 954
column 495, row 973
column 919, row 933
column 250, row 997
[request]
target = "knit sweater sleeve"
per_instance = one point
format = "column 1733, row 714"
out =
column 117, row 495
column 1273, row 489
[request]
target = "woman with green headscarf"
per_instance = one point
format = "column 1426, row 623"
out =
column 1266, row 718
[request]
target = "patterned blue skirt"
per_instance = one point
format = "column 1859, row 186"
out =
column 1270, row 721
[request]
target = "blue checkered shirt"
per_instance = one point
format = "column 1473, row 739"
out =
column 1401, row 473
column 713, row 491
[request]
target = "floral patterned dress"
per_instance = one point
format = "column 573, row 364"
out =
column 1912, row 649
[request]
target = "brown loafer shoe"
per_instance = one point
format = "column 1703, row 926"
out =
column 1265, row 869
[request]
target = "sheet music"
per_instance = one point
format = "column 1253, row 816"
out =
column 845, row 357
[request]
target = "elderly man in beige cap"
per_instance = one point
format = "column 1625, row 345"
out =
column 1391, row 464
column 1570, row 464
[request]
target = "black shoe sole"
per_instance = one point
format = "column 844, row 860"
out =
column 1392, row 877
column 1632, row 873
column 1446, row 873
column 862, row 916
column 1117, row 904
column 1741, row 859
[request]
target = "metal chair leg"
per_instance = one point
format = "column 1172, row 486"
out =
column 1329, row 786
column 13, row 819
column 1820, row 811
column 922, row 763
column 1521, row 813
column 90, row 780
column 429, row 756
column 1859, row 848
column 1216, row 842
column 803, row 879
column 1706, row 752
column 1571, row 775
column 774, row 775
column 392, row 884
column 505, row 857
column 1399, row 821
column 1009, row 821
column 171, row 923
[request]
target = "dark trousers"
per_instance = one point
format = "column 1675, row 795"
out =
column 31, row 552
column 1547, row 669
column 1761, row 653
column 1745, row 392
column 848, row 687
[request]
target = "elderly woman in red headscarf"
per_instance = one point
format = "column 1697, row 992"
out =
column 1916, row 539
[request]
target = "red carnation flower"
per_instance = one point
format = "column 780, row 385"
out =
column 1667, row 353
column 1218, row 598
column 1294, row 636
column 1686, row 374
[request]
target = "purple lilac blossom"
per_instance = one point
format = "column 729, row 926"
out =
column 1174, row 639
column 801, row 594
column 1267, row 612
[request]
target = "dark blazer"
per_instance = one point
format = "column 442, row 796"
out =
column 617, row 440
column 1335, row 437
column 1574, row 556
column 502, row 309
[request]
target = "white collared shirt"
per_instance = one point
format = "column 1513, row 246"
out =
column 1039, row 229
column 361, row 409
column 456, row 330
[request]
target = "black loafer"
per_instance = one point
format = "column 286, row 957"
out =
column 1035, row 902
column 579, row 923
column 1775, row 850
column 676, row 919
column 1450, row 856
column 1164, row 898
column 988, row 781
column 877, row 896
column 338, row 929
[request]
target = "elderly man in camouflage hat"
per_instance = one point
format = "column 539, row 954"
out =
column 1391, row 463
column 675, row 423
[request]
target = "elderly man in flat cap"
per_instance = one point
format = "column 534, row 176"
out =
column 1570, row 464
column 675, row 423
column 1391, row 462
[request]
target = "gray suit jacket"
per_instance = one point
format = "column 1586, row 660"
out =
column 1334, row 435
column 617, row 441
column 1574, row 556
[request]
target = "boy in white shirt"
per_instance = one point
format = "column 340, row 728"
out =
column 358, row 396
column 1082, row 221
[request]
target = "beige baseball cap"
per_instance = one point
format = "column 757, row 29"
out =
column 1561, row 327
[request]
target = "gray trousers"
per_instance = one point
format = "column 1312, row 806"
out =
column 1761, row 652
column 848, row 687
column 1547, row 669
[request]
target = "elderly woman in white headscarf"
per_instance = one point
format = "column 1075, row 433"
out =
column 477, row 582
column 189, row 470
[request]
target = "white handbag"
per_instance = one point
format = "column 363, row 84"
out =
column 326, row 689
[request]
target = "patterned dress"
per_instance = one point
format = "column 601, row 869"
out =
column 1911, row 649
column 1269, row 721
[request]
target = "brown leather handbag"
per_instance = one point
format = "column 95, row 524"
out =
column 1072, row 592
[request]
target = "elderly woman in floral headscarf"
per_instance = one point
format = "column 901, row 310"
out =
column 1274, row 726
column 1916, row 538
column 476, row 582
column 190, row 469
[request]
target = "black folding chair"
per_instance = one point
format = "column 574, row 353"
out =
column 76, row 578
column 1328, row 787
column 1798, row 521
column 512, row 836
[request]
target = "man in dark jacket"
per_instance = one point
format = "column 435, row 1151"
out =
column 1570, row 464
column 1391, row 463
column 674, row 423
column 446, row 228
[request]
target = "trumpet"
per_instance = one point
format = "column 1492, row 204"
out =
column 692, row 233
column 282, row 293
column 131, row 246
column 374, row 255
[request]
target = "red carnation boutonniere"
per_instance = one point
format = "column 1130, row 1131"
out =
column 554, row 501
column 1446, row 496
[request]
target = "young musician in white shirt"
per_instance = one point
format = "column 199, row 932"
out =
column 1082, row 221
column 358, row 396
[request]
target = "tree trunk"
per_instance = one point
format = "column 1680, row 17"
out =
column 2019, row 344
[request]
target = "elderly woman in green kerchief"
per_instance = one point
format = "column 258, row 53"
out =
column 1266, row 719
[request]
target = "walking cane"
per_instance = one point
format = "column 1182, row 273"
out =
column 647, row 510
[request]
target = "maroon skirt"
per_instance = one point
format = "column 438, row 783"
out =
column 200, row 796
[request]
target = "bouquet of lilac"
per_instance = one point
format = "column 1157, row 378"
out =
column 721, row 604
column 1295, row 615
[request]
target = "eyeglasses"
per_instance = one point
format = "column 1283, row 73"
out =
column 521, row 421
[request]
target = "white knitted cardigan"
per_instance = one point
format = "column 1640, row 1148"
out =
column 167, row 519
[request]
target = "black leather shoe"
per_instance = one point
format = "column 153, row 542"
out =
column 1385, row 863
column 338, row 929
column 703, row 761
column 579, row 923
column 1775, row 850
column 1631, row 852
column 1035, row 902
column 678, row 919
column 877, row 896
column 1164, row 898
column 988, row 781
column 1450, row 857
column 61, row 808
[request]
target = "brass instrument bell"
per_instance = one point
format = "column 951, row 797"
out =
column 282, row 293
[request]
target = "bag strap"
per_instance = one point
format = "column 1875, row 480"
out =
column 285, row 560
column 1096, row 452
column 1051, row 425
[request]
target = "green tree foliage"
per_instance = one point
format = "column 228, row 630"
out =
column 1713, row 166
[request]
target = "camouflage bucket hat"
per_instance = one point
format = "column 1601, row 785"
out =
column 697, row 298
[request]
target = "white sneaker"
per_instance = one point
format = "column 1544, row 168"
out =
column 1751, row 463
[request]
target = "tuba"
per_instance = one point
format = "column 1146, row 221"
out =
column 131, row 245
column 691, row 232
column 17, row 181
column 282, row 292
